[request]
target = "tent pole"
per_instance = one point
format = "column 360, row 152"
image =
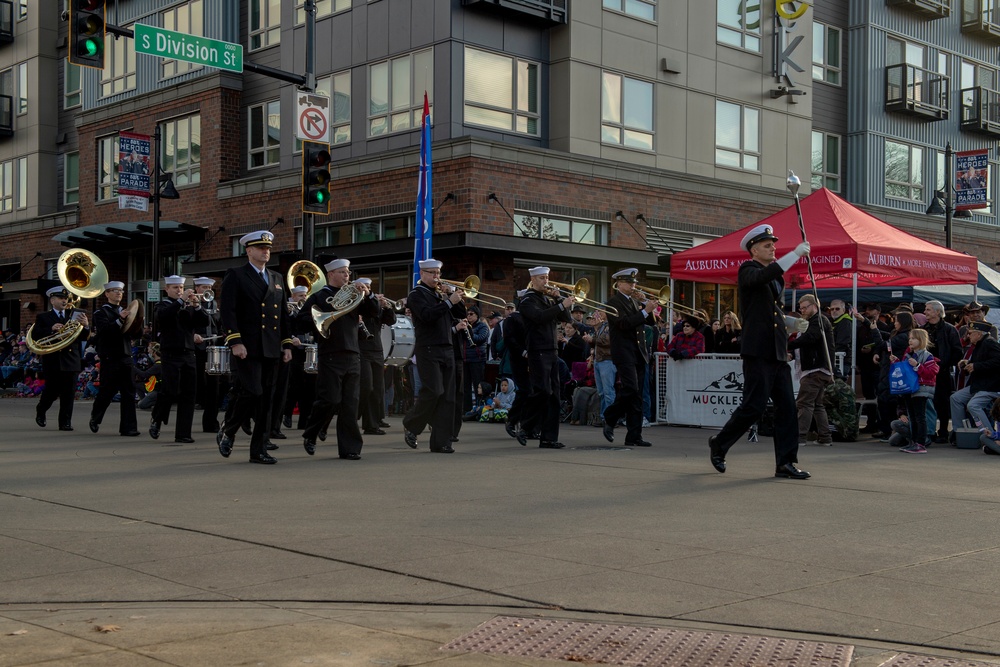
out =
column 854, row 332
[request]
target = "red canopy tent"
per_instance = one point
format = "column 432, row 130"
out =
column 845, row 241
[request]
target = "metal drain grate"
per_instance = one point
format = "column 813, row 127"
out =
column 913, row 660
column 599, row 643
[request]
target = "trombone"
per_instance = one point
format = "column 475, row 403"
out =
column 662, row 297
column 578, row 291
column 471, row 289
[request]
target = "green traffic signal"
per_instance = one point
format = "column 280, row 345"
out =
column 86, row 33
column 315, row 177
column 91, row 47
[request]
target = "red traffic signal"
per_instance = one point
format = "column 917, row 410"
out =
column 315, row 177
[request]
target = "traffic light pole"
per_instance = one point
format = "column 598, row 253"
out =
column 308, row 236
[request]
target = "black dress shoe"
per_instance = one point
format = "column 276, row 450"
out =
column 94, row 426
column 550, row 444
column 247, row 428
column 129, row 434
column 351, row 457
column 278, row 435
column 186, row 441
column 444, row 450
column 154, row 429
column 454, row 438
column 791, row 472
column 384, row 424
column 511, row 429
column 40, row 419
column 65, row 427
column 410, row 438
column 322, row 436
column 374, row 431
column 225, row 443
column 287, row 421
column 522, row 438
column 266, row 459
column 638, row 443
column 609, row 431
column 270, row 446
column 310, row 446
column 716, row 456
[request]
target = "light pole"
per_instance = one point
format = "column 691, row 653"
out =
column 164, row 191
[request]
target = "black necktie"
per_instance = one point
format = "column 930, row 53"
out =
column 262, row 276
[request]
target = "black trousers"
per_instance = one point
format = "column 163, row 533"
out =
column 337, row 385
column 943, row 390
column 542, row 412
column 301, row 391
column 280, row 395
column 763, row 379
column 456, row 425
column 435, row 403
column 253, row 388
column 372, row 398
column 522, row 382
column 59, row 385
column 178, row 383
column 473, row 372
column 628, row 399
column 210, row 390
column 116, row 379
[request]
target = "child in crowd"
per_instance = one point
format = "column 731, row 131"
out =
column 916, row 403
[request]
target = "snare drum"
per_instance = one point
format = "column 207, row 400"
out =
column 217, row 361
column 311, row 364
column 398, row 342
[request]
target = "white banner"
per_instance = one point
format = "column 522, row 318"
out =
column 703, row 391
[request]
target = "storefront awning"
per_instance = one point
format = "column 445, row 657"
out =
column 118, row 236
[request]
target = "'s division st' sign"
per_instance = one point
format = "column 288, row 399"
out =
column 189, row 48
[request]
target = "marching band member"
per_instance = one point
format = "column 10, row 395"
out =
column 339, row 377
column 372, row 397
column 61, row 368
column 541, row 312
column 301, row 385
column 256, row 325
column 630, row 356
column 208, row 391
column 435, row 319
column 177, row 317
column 114, row 349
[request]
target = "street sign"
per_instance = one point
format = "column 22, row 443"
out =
column 152, row 291
column 313, row 118
column 189, row 48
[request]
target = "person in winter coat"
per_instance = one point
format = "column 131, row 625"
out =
column 816, row 374
column 926, row 366
column 689, row 343
column 727, row 336
column 475, row 356
column 505, row 397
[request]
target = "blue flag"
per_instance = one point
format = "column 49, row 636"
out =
column 425, row 201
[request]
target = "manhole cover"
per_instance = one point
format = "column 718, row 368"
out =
column 599, row 643
column 913, row 660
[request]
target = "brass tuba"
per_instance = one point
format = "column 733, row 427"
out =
column 304, row 272
column 343, row 302
column 84, row 275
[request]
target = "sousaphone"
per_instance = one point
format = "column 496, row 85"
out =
column 83, row 274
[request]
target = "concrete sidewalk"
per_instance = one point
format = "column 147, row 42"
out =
column 185, row 558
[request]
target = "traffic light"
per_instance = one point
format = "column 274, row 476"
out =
column 86, row 33
column 315, row 177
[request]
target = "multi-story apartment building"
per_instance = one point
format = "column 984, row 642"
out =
column 684, row 119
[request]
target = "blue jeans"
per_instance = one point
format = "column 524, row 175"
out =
column 978, row 407
column 604, row 377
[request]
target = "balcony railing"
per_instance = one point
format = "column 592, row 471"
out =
column 981, row 111
column 916, row 91
column 6, row 116
column 982, row 17
column 935, row 9
column 6, row 21
column 553, row 12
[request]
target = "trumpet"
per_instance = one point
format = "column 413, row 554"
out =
column 471, row 289
column 294, row 306
column 395, row 305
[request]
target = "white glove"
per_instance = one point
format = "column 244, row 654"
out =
column 802, row 249
column 795, row 324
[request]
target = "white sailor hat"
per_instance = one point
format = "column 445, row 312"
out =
column 262, row 237
column 204, row 280
column 363, row 281
column 300, row 289
column 756, row 235
column 114, row 284
column 338, row 264
column 520, row 293
column 58, row 290
column 628, row 275
column 539, row 271
column 431, row 263
column 173, row 280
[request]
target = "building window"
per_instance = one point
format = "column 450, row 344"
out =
column 107, row 168
column 643, row 9
column 180, row 149
column 265, row 23
column 825, row 161
column 396, row 98
column 738, row 24
column 6, row 186
column 265, row 134
column 826, row 54
column 188, row 19
column 501, row 92
column 904, row 166
column 22, row 183
column 22, row 9
column 338, row 88
column 71, row 178
column 566, row 230
column 72, row 88
column 737, row 136
column 22, row 89
column 323, row 8
column 626, row 111
column 118, row 74
column 971, row 76
column 364, row 231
